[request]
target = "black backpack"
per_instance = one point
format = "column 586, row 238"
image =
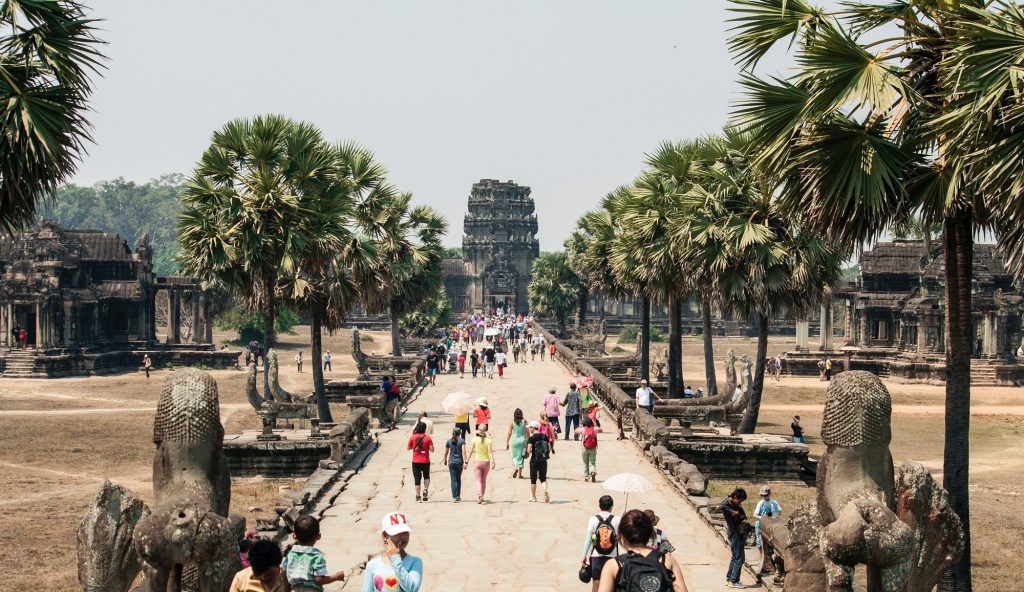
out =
column 540, row 451
column 643, row 574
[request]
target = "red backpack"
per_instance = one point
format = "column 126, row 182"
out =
column 589, row 438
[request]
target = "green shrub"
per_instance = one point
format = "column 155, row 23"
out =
column 365, row 337
column 629, row 333
column 656, row 336
column 249, row 323
column 617, row 350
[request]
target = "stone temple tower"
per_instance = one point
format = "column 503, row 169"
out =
column 499, row 245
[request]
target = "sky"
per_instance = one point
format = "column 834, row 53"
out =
column 563, row 96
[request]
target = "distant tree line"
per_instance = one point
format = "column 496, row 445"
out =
column 124, row 207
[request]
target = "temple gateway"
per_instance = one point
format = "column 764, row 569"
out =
column 499, row 245
column 81, row 302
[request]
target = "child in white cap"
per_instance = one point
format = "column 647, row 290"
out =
column 394, row 570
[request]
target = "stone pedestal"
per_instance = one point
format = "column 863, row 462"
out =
column 803, row 335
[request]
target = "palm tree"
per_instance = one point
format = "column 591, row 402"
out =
column 920, row 121
column 409, row 241
column 335, row 261
column 46, row 63
column 246, row 207
column 575, row 249
column 554, row 288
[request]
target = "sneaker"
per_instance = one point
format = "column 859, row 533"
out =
column 417, row 498
column 456, row 500
column 547, row 498
column 424, row 497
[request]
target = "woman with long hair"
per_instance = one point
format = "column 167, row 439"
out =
column 635, row 533
column 482, row 453
column 517, row 436
column 455, row 458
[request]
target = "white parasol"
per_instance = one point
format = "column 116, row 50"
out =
column 627, row 483
column 492, row 332
column 457, row 403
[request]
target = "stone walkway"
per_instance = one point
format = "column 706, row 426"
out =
column 507, row 543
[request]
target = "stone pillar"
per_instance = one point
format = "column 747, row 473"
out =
column 7, row 325
column 195, row 316
column 863, row 326
column 174, row 316
column 207, row 321
column 39, row 327
column 803, row 335
column 848, row 332
column 825, row 341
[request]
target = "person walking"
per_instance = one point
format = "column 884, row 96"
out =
column 538, row 446
column 640, row 567
column 660, row 542
column 732, row 511
column 22, row 338
column 499, row 362
column 766, row 507
column 489, row 357
column 547, row 429
column 515, row 352
column 482, row 454
column 474, row 362
column 589, row 434
column 392, row 401
column 298, row 361
column 593, row 413
column 147, row 364
column 551, row 404
column 601, row 541
column 462, row 364
column 433, row 366
column 327, row 361
column 482, row 413
column 421, row 445
column 455, row 460
column 572, row 402
column 517, row 437
column 394, row 569
column 542, row 346
column 645, row 397
column 551, row 350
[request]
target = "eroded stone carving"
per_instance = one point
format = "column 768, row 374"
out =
column 188, row 542
column 283, row 406
column 730, row 373
column 902, row 529
column 746, row 378
column 362, row 365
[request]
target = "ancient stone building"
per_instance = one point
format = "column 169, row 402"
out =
column 499, row 245
column 896, row 318
column 83, row 298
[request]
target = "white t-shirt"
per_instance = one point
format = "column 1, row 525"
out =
column 643, row 396
column 499, row 358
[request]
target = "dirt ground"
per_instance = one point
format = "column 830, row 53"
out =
column 62, row 437
column 997, row 447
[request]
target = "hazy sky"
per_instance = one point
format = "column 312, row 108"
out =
column 563, row 96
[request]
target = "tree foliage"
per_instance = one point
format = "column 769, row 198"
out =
column 435, row 312
column 127, row 208
column 48, row 54
column 554, row 288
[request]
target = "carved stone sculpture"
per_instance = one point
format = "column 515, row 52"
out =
column 660, row 363
column 746, row 378
column 283, row 406
column 902, row 529
column 730, row 373
column 362, row 365
column 188, row 542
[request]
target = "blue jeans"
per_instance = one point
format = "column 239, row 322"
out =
column 736, row 544
column 456, row 473
column 574, row 421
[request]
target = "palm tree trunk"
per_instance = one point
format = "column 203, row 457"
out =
column 749, row 423
column 581, row 312
column 958, row 243
column 709, row 347
column 269, row 316
column 645, row 340
column 323, row 409
column 675, row 347
column 396, row 336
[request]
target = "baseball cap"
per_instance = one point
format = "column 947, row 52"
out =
column 765, row 490
column 535, row 425
column 395, row 523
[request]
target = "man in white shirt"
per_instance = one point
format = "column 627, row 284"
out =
column 591, row 555
column 645, row 397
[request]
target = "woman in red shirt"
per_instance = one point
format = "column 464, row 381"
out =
column 421, row 446
column 482, row 413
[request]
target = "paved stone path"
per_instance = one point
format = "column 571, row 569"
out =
column 507, row 543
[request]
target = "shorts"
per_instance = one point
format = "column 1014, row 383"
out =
column 538, row 471
column 597, row 564
column 431, row 371
column 420, row 471
column 490, row 367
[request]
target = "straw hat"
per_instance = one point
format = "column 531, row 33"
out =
column 482, row 401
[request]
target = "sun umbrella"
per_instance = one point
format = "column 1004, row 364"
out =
column 457, row 403
column 627, row 483
column 492, row 331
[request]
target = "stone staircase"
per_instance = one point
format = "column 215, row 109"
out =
column 19, row 363
column 984, row 372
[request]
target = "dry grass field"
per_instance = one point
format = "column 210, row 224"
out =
column 62, row 437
